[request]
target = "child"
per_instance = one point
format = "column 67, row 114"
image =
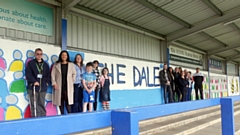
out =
column 105, row 91
column 89, row 84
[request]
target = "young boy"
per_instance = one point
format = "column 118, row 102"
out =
column 89, row 84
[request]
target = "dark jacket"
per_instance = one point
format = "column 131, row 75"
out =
column 32, row 73
column 172, row 82
column 183, row 82
column 198, row 79
column 176, row 76
column 162, row 77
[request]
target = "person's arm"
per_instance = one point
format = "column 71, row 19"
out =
column 84, row 83
column 53, row 75
column 202, row 77
column 47, row 74
column 29, row 74
column 102, row 81
column 74, row 72
column 162, row 77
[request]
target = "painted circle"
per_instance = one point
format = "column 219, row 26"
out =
column 11, row 99
column 54, row 58
column 48, row 97
column 30, row 54
column 17, row 54
column 45, row 57
column 1, row 53
column 0, row 100
column 18, row 75
column 2, row 73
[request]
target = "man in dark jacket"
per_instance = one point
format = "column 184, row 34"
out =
column 198, row 79
column 38, row 76
column 165, row 84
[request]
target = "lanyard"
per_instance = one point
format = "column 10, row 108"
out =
column 40, row 68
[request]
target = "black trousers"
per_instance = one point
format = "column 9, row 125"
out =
column 78, row 99
column 167, row 91
column 184, row 93
column 200, row 88
column 179, row 94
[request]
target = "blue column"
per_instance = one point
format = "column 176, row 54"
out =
column 168, row 57
column 64, row 34
column 124, row 122
column 227, row 115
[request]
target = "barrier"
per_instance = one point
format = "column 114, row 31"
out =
column 123, row 121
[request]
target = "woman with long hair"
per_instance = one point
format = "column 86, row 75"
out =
column 78, row 87
column 183, row 82
column 105, row 89
column 63, row 78
column 172, row 82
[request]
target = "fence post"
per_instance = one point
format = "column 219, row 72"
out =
column 124, row 122
column 227, row 115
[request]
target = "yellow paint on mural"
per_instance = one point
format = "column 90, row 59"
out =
column 225, row 94
column 16, row 66
column 13, row 113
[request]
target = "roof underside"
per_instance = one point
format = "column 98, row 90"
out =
column 212, row 26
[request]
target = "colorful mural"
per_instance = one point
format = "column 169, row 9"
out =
column 233, row 85
column 13, row 93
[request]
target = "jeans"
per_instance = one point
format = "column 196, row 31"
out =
column 78, row 99
column 188, row 95
column 167, row 91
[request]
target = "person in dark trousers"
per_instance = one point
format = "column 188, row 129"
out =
column 63, row 77
column 183, row 85
column 78, row 87
column 38, row 75
column 105, row 89
column 172, row 82
column 165, row 80
column 97, row 74
column 198, row 79
column 190, row 82
column 177, row 89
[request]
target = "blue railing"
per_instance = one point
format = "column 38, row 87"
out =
column 123, row 122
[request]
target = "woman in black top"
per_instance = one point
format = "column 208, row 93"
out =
column 183, row 85
column 177, row 89
column 172, row 81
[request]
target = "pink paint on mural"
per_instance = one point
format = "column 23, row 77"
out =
column 1, row 114
column 3, row 64
column 51, row 109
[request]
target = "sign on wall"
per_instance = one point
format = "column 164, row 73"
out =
column 215, row 64
column 185, row 56
column 233, row 85
column 26, row 16
column 231, row 68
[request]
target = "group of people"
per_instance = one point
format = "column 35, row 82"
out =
column 177, row 84
column 75, row 85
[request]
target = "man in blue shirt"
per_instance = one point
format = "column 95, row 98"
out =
column 89, row 85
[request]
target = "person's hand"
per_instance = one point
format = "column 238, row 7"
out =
column 36, row 84
column 55, row 87
column 168, row 82
column 89, row 91
column 187, row 86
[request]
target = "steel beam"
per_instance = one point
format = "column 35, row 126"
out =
column 232, row 57
column 163, row 12
column 213, row 39
column 230, row 15
column 53, row 2
column 213, row 7
column 187, row 46
column 223, row 49
column 70, row 3
column 88, row 10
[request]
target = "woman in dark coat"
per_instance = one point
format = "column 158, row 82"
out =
column 183, row 85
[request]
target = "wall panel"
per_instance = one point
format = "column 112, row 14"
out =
column 93, row 35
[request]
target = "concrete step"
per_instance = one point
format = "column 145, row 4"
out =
column 192, row 128
column 162, row 124
column 216, row 128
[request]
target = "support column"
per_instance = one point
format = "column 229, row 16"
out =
column 64, row 34
column 209, row 78
column 227, row 115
